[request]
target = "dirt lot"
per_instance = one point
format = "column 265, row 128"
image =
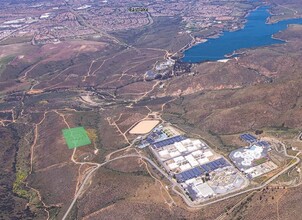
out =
column 144, row 127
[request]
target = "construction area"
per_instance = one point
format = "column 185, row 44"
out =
column 253, row 160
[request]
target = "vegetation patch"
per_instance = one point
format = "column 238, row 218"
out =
column 19, row 184
column 4, row 61
column 76, row 137
column 260, row 161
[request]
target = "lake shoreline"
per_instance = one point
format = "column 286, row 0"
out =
column 255, row 33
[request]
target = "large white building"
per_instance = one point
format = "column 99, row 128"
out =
column 202, row 190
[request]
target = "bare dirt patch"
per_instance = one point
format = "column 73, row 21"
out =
column 144, row 127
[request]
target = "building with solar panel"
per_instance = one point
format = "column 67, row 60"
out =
column 254, row 159
column 198, row 169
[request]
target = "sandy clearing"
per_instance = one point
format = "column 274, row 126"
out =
column 144, row 127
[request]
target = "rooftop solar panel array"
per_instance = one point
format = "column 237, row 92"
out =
column 263, row 144
column 248, row 138
column 155, row 136
column 214, row 165
column 189, row 174
column 168, row 141
column 198, row 171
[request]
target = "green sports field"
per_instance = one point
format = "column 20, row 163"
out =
column 76, row 137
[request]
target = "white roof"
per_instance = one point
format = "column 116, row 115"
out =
column 208, row 153
column 174, row 153
column 180, row 147
column 196, row 142
column 172, row 166
column 186, row 141
column 190, row 181
column 163, row 153
column 250, row 170
column 185, row 167
column 177, row 144
column 179, row 159
column 192, row 148
column 203, row 160
column 193, row 162
column 249, row 155
column 197, row 153
column 204, row 190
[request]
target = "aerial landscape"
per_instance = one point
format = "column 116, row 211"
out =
column 176, row 109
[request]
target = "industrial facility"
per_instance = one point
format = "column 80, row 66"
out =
column 200, row 172
column 253, row 160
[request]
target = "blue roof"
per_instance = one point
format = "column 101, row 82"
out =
column 189, row 174
column 168, row 141
column 248, row 138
